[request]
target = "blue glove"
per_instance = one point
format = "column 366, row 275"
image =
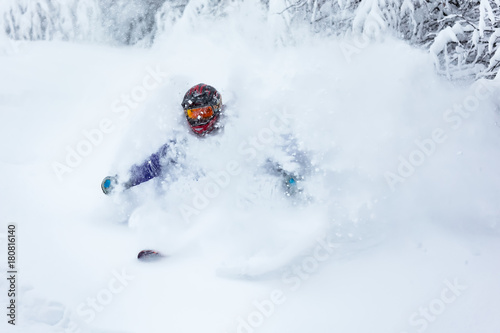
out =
column 108, row 184
column 291, row 187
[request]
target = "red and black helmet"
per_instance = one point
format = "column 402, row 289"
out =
column 202, row 106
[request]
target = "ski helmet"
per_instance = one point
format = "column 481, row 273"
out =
column 202, row 106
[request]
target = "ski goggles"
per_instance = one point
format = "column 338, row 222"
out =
column 204, row 112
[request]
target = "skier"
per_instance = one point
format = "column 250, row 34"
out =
column 203, row 109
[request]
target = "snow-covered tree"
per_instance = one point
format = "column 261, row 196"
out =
column 51, row 19
column 461, row 35
column 130, row 21
column 467, row 46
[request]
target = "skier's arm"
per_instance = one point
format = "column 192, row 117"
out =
column 290, row 178
column 292, row 164
column 139, row 173
column 148, row 170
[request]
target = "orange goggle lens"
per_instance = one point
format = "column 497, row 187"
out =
column 200, row 113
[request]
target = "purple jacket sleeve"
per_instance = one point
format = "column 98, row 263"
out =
column 149, row 169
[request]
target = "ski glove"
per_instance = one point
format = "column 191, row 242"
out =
column 108, row 184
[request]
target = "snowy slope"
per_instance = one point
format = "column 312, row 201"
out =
column 402, row 234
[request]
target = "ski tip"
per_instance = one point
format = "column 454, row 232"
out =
column 149, row 255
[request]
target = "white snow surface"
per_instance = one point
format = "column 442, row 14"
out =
column 363, row 255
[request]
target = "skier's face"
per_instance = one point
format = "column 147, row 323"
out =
column 202, row 120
